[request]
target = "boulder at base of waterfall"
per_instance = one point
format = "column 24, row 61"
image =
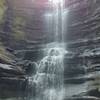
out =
column 30, row 68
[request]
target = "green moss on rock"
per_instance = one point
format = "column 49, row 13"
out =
column 3, row 8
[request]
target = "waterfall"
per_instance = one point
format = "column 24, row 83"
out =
column 59, row 19
column 56, row 20
column 49, row 77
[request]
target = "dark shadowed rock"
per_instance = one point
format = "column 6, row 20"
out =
column 10, row 71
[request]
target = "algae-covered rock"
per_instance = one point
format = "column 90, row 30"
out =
column 17, row 27
column 5, row 56
column 3, row 8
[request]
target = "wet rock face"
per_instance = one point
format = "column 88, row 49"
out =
column 30, row 68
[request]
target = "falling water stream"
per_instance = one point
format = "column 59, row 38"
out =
column 49, row 77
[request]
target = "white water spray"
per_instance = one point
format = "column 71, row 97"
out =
column 49, row 78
